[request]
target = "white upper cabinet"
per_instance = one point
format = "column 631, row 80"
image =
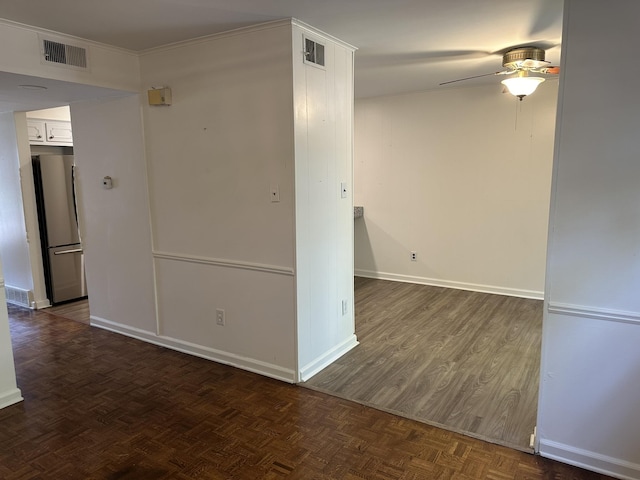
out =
column 49, row 132
column 37, row 131
column 59, row 132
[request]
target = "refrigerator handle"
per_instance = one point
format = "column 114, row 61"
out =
column 64, row 252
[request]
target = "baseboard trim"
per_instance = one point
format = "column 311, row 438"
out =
column 10, row 397
column 597, row 313
column 394, row 277
column 327, row 358
column 589, row 460
column 44, row 303
column 219, row 356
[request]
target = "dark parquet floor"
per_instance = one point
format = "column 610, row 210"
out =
column 98, row 405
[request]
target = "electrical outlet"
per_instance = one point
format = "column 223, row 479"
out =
column 344, row 307
column 220, row 317
column 414, row 256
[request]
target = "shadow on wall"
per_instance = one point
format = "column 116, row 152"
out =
column 364, row 259
column 370, row 260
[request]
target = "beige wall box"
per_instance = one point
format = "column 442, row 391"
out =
column 159, row 96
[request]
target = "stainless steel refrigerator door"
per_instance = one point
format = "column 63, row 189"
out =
column 67, row 273
column 59, row 199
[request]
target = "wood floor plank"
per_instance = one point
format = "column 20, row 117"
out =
column 468, row 361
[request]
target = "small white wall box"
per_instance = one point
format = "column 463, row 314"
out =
column 107, row 182
column 159, row 96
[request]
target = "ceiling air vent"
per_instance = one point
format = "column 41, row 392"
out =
column 313, row 52
column 64, row 54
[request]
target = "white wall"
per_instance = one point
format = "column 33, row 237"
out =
column 57, row 113
column 9, row 392
column 14, row 247
column 114, row 224
column 324, row 220
column 462, row 177
column 213, row 156
column 589, row 395
column 109, row 67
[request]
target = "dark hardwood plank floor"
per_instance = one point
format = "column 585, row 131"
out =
column 99, row 405
column 465, row 361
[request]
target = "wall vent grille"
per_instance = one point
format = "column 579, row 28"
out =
column 18, row 296
column 313, row 52
column 64, row 54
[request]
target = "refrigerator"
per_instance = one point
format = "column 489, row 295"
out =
column 62, row 255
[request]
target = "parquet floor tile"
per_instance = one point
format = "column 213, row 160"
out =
column 101, row 406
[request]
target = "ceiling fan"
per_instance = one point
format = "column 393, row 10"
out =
column 521, row 61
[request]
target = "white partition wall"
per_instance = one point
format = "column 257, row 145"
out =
column 243, row 235
column 114, row 223
column 9, row 391
column 14, row 245
column 323, row 202
column 589, row 394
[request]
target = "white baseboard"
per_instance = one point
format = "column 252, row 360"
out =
column 589, row 460
column 10, row 397
column 43, row 303
column 327, row 358
column 226, row 358
column 394, row 277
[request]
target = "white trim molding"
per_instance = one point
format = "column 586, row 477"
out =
column 44, row 303
column 245, row 30
column 223, row 262
column 589, row 460
column 434, row 282
column 327, row 358
column 10, row 397
column 597, row 313
column 219, row 356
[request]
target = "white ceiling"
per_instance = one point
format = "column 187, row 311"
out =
column 403, row 45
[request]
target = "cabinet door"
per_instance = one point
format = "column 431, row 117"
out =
column 59, row 133
column 36, row 131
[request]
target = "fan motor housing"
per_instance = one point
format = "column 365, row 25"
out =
column 527, row 57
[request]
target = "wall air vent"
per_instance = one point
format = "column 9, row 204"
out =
column 64, row 54
column 18, row 296
column 313, row 52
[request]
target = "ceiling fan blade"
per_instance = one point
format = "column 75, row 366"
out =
column 393, row 59
column 553, row 70
column 504, row 72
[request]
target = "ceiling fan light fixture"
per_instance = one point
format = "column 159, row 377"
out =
column 522, row 85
